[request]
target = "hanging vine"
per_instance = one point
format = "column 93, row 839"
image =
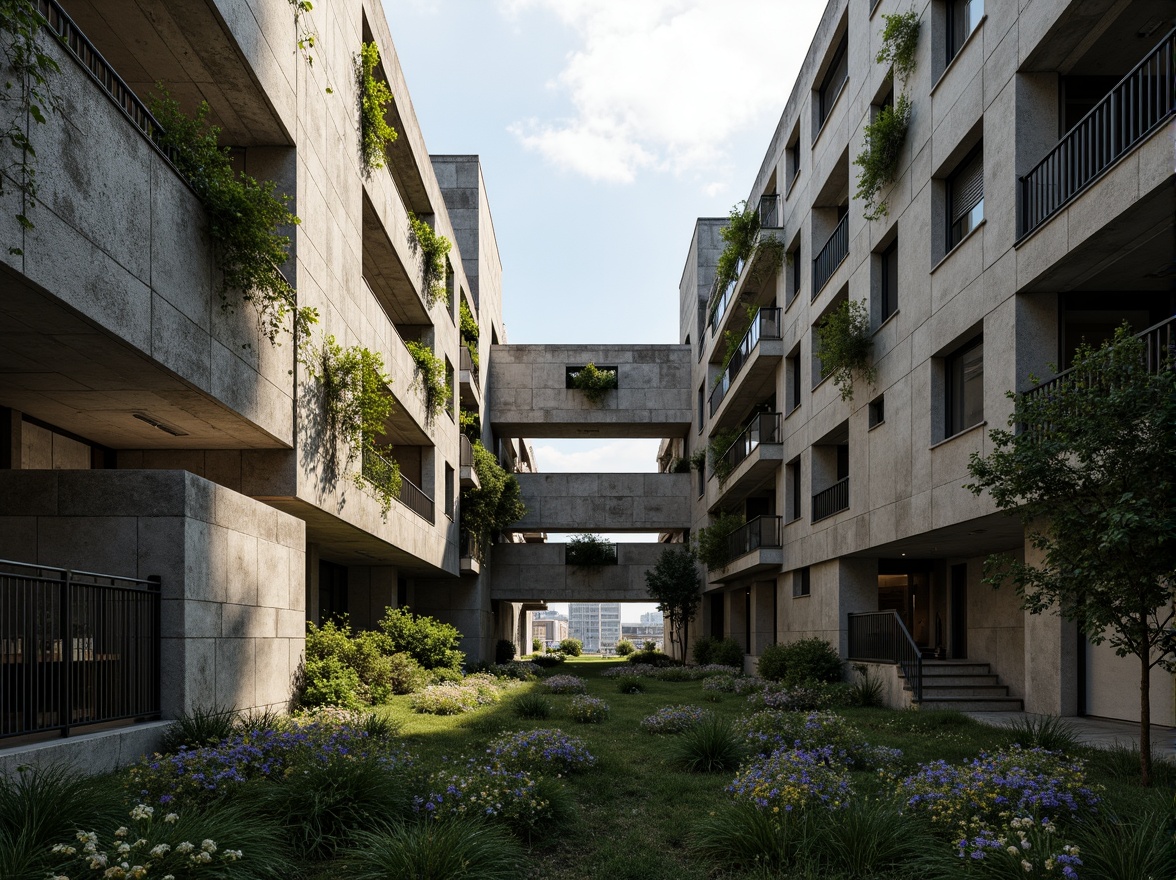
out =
column 430, row 378
column 374, row 96
column 594, row 382
column 846, row 346
column 744, row 244
column 28, row 99
column 469, row 331
column 433, row 249
column 494, row 505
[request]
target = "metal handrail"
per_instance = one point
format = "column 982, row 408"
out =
column 76, row 648
column 466, row 364
column 831, row 255
column 763, row 531
column 379, row 470
column 765, row 325
column 764, row 428
column 465, row 452
column 831, row 500
column 1132, row 110
column 882, row 637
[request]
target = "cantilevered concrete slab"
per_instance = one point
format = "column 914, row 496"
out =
column 605, row 502
column 529, row 396
column 533, row 572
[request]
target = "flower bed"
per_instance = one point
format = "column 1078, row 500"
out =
column 548, row 749
column 588, row 710
column 791, row 779
column 489, row 792
column 672, row 719
column 565, row 684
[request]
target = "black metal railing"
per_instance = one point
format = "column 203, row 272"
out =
column 832, row 500
column 382, row 472
column 76, row 649
column 763, row 531
column 416, row 500
column 466, row 365
column 58, row 22
column 770, row 215
column 1131, row 111
column 765, row 325
column 830, row 256
column 882, row 637
column 465, row 456
column 721, row 299
column 764, row 428
column 1159, row 352
column 471, row 547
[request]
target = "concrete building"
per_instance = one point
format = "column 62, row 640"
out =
column 1032, row 207
column 652, row 618
column 596, row 624
column 550, row 631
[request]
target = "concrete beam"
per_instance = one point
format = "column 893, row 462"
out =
column 605, row 502
column 538, row 572
column 529, row 397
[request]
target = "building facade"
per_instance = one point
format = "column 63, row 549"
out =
column 596, row 624
column 1031, row 207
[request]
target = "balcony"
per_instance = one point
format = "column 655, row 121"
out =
column 750, row 273
column 1139, row 105
column 468, row 379
column 750, row 462
column 765, row 326
column 471, row 554
column 830, row 256
column 469, row 476
column 753, row 548
column 832, row 500
column 380, row 471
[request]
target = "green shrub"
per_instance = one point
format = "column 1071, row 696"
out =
column 713, row 547
column 548, row 660
column 712, row 745
column 594, row 382
column 200, row 727
column 702, row 650
column 801, row 662
column 652, row 658
column 624, row 648
column 726, row 652
column 532, row 705
column 453, row 849
column 354, row 671
column 504, row 651
column 536, row 645
column 590, row 551
column 428, row 641
column 328, row 681
column 571, row 647
column 630, row 684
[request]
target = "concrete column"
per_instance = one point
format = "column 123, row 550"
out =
column 1051, row 658
column 857, row 590
column 763, row 627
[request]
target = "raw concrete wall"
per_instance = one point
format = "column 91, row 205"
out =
column 604, row 502
column 533, row 572
column 232, row 571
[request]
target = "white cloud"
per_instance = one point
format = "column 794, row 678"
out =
column 665, row 84
column 593, row 456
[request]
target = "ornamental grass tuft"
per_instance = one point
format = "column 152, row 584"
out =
column 1043, row 732
column 453, row 849
column 629, row 684
column 588, row 710
column 712, row 745
column 532, row 705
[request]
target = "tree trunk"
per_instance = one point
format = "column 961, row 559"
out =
column 685, row 638
column 1145, row 755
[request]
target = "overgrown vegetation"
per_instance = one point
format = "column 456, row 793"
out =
column 801, row 662
column 306, row 38
column 494, row 505
column 594, row 382
column 433, row 249
column 716, row 451
column 590, row 551
column 430, row 378
column 886, row 133
column 374, row 96
column 244, row 219
column 714, row 549
column 469, row 331
column 470, row 423
column 28, row 99
column 743, row 243
column 845, row 346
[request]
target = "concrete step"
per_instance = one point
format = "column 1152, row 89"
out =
column 974, row 704
column 952, row 667
column 964, row 680
column 966, row 690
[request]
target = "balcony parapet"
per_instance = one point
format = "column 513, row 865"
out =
column 765, row 325
column 830, row 256
column 832, row 500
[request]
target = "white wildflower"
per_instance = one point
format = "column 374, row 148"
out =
column 142, row 811
column 64, row 849
column 171, row 818
column 186, row 847
column 121, row 831
column 209, row 846
column 161, row 850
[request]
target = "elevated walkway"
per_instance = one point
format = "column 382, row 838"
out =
column 534, row 572
column 529, row 391
column 604, row 502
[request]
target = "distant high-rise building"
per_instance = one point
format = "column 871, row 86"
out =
column 596, row 624
column 652, row 618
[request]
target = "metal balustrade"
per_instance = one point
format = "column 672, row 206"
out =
column 466, row 364
column 763, row 531
column 882, row 637
column 380, row 471
column 765, row 325
column 831, row 255
column 76, row 649
column 764, row 428
column 832, row 500
column 1142, row 101
column 465, row 452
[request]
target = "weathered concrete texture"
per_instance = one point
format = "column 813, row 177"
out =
column 529, row 397
column 605, row 502
column 232, row 571
column 534, row 572
column 90, row 753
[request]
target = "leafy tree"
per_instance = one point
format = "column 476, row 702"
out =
column 1092, row 474
column 495, row 505
column 675, row 584
column 571, row 647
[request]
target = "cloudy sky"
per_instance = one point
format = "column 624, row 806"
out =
column 605, row 128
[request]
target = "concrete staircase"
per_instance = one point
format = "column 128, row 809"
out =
column 967, row 686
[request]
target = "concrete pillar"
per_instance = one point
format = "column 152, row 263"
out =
column 857, row 591
column 1051, row 658
column 763, row 628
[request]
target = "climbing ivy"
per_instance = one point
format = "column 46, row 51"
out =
column 714, row 550
column 494, row 505
column 469, row 331
column 27, row 95
column 430, row 378
column 433, row 248
column 845, row 346
column 375, row 134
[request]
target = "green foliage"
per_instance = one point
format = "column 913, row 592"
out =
column 532, row 705
column 27, row 95
column 900, row 42
column 866, row 690
column 1044, row 732
column 713, row 549
column 203, row 726
column 743, row 226
column 356, row 406
column 306, row 37
column 504, row 651
column 675, row 585
column 450, row 849
column 701, row 650
column 571, row 647
column 594, row 382
column 725, row 652
column 431, row 643
column 697, row 459
column 1090, row 474
column 879, row 157
column 374, row 96
column 804, row 661
column 433, row 248
column 244, row 216
column 846, row 346
column 470, row 423
column 354, row 671
column 1141, row 844
column 715, row 450
column 495, row 504
column 430, row 378
column 624, row 648
column 590, row 551
column 630, row 684
column 469, row 331
column 712, row 745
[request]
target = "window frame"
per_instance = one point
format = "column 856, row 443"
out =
column 955, row 41
column 888, row 287
column 828, row 91
column 960, row 224
column 955, row 388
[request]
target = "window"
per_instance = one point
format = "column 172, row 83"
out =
column 965, row 197
column 801, row 584
column 877, row 410
column 888, row 289
column 449, row 384
column 962, row 18
column 449, row 495
column 792, row 366
column 792, row 475
column 701, row 406
column 792, row 157
column 796, row 274
column 834, row 79
column 964, row 386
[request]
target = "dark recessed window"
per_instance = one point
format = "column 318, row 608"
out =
column 794, row 256
column 793, row 369
column 793, row 160
column 888, row 293
column 962, row 18
column 964, row 383
column 801, row 585
column 965, row 197
column 793, row 475
column 834, row 78
column 877, row 410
